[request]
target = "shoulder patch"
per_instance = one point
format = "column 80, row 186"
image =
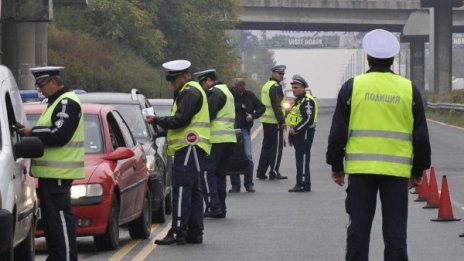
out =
column 64, row 101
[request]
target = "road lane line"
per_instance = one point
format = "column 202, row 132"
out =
column 143, row 254
column 128, row 247
column 447, row 125
column 255, row 133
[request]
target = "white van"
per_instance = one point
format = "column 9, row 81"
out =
column 18, row 202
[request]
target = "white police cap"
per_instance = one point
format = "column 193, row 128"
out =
column 298, row 79
column 45, row 71
column 279, row 68
column 175, row 68
column 201, row 76
column 381, row 44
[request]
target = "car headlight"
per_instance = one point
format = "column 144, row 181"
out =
column 86, row 190
column 150, row 163
column 287, row 106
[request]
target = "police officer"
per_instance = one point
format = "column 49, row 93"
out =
column 188, row 134
column 222, row 116
column 302, row 121
column 61, row 130
column 380, row 129
column 273, row 121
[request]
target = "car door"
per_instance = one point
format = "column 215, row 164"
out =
column 136, row 191
column 22, row 183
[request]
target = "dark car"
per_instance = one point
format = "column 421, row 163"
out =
column 115, row 189
column 130, row 106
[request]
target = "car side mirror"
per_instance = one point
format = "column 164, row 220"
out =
column 120, row 153
column 29, row 147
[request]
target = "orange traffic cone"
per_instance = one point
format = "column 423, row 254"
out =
column 416, row 189
column 432, row 197
column 423, row 189
column 445, row 210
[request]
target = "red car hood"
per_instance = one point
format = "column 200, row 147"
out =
column 91, row 164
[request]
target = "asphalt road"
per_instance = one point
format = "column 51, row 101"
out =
column 273, row 224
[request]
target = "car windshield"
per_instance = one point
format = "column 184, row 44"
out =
column 93, row 140
column 162, row 110
column 132, row 114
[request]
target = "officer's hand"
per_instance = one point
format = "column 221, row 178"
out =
column 338, row 177
column 249, row 117
column 25, row 131
column 414, row 181
column 283, row 126
column 292, row 131
column 150, row 119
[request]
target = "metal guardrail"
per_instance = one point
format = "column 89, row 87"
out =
column 448, row 106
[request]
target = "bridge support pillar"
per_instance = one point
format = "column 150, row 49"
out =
column 417, row 57
column 442, row 37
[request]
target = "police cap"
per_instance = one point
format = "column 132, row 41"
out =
column 175, row 68
column 297, row 79
column 45, row 72
column 201, row 76
column 279, row 68
column 380, row 44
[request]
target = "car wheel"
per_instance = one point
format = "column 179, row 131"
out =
column 8, row 253
column 158, row 214
column 26, row 249
column 110, row 239
column 141, row 227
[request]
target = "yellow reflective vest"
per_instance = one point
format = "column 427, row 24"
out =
column 295, row 117
column 64, row 162
column 222, row 128
column 269, row 115
column 380, row 126
column 200, row 126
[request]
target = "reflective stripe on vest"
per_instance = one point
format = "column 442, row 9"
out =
column 222, row 128
column 64, row 162
column 294, row 117
column 380, row 127
column 200, row 124
column 269, row 115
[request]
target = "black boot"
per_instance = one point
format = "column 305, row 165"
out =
column 170, row 239
column 214, row 212
column 279, row 176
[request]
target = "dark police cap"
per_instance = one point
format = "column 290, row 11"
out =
column 175, row 68
column 201, row 76
column 297, row 79
column 279, row 68
column 45, row 72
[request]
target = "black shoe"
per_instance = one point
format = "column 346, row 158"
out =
column 299, row 188
column 169, row 240
column 279, row 176
column 194, row 239
column 213, row 212
column 261, row 176
column 272, row 176
column 250, row 189
column 234, row 190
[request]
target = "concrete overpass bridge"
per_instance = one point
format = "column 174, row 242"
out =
column 24, row 27
column 414, row 19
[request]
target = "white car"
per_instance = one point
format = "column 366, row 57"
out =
column 18, row 203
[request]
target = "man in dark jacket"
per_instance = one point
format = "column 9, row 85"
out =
column 247, row 108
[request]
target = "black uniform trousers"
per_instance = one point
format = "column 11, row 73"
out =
column 214, row 180
column 271, row 150
column 302, row 142
column 57, row 218
column 187, row 199
column 360, row 205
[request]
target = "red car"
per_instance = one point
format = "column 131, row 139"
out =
column 115, row 189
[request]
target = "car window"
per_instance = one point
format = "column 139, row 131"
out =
column 11, row 119
column 162, row 110
column 126, row 133
column 93, row 139
column 93, row 134
column 116, row 136
column 132, row 114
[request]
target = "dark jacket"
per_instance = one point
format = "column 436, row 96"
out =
column 189, row 103
column 308, row 112
column 276, row 94
column 339, row 131
column 247, row 103
column 65, row 119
